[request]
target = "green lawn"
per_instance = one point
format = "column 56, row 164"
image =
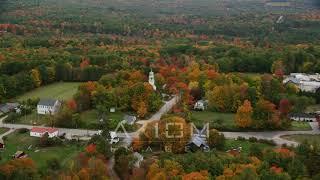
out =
column 314, row 139
column 245, row 144
column 221, row 121
column 300, row 126
column 89, row 119
column 17, row 141
column 60, row 90
column 33, row 119
column 313, row 108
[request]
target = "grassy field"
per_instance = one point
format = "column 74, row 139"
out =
column 232, row 143
column 33, row 119
column 215, row 120
column 313, row 108
column 300, row 126
column 88, row 119
column 314, row 139
column 91, row 119
column 17, row 141
column 61, row 91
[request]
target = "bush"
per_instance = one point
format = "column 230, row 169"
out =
column 216, row 139
column 11, row 117
column 255, row 150
column 54, row 164
column 253, row 139
column 240, row 138
column 45, row 141
column 266, row 141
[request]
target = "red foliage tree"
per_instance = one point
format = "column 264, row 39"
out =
column 284, row 107
column 72, row 105
column 85, row 63
column 91, row 148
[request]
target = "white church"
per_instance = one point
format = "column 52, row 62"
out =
column 152, row 80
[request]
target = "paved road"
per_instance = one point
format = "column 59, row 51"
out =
column 274, row 135
column 156, row 117
column 85, row 134
column 82, row 133
column 6, row 133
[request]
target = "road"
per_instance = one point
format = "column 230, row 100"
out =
column 155, row 117
column 84, row 134
column 274, row 135
column 6, row 133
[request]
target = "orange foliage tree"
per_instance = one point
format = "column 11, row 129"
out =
column 243, row 117
column 174, row 133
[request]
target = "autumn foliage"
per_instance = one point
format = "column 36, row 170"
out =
column 243, row 117
column 72, row 105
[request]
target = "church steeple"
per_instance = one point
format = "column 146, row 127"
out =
column 151, row 80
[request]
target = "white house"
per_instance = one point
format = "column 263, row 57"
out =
column 40, row 131
column 113, row 137
column 305, row 82
column 48, row 106
column 200, row 105
column 303, row 117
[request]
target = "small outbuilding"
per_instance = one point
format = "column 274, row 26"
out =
column 130, row 119
column 201, row 105
column 304, row 117
column 19, row 155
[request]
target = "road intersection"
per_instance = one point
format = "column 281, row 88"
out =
column 85, row 134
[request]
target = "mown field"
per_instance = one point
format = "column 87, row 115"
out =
column 23, row 142
column 60, row 90
column 313, row 139
column 215, row 119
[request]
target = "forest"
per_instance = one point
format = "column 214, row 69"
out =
column 234, row 54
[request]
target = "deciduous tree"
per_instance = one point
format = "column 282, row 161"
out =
column 243, row 117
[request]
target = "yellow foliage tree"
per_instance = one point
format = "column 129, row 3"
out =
column 35, row 74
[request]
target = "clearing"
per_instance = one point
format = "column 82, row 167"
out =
column 313, row 139
column 22, row 141
column 60, row 90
